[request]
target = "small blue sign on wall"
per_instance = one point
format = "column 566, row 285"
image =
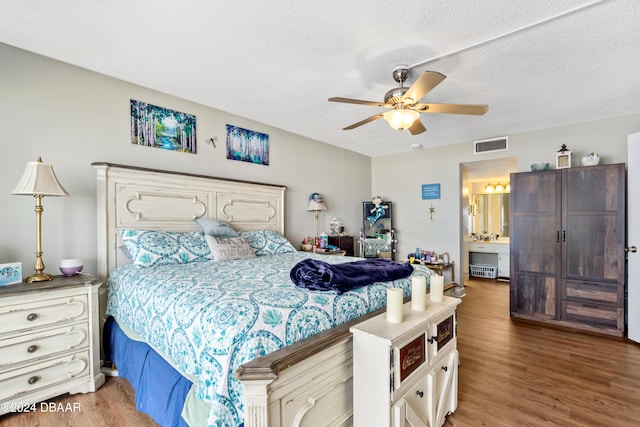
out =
column 430, row 191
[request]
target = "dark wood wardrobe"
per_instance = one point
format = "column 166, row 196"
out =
column 567, row 247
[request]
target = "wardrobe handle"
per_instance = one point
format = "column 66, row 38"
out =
column 564, row 235
column 558, row 236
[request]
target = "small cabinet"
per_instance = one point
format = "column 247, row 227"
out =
column 345, row 243
column 503, row 260
column 406, row 374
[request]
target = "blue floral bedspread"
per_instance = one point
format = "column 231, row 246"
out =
column 211, row 317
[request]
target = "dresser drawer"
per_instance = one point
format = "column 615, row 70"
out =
column 29, row 347
column 43, row 374
column 597, row 292
column 30, row 315
column 595, row 315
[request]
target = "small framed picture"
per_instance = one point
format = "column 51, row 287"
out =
column 10, row 273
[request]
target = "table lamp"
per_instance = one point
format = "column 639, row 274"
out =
column 39, row 180
column 316, row 204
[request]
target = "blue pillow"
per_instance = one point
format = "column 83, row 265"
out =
column 268, row 242
column 216, row 228
column 154, row 247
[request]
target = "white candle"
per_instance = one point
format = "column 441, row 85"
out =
column 418, row 293
column 394, row 305
column 436, row 289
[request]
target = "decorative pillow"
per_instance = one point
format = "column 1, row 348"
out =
column 224, row 248
column 268, row 242
column 215, row 227
column 154, row 247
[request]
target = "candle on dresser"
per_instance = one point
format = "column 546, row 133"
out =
column 436, row 288
column 418, row 293
column 394, row 305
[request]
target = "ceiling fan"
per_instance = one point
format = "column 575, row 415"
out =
column 404, row 105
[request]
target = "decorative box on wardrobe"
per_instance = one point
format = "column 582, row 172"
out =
column 406, row 374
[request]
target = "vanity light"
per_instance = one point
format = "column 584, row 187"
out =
column 499, row 187
column 489, row 188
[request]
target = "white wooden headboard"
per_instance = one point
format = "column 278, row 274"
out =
column 133, row 197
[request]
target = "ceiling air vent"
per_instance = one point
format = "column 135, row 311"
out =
column 491, row 145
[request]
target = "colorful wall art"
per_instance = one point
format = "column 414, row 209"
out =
column 247, row 145
column 158, row 127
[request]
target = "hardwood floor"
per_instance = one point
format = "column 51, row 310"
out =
column 520, row 374
column 511, row 374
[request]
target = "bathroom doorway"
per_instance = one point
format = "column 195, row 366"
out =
column 485, row 215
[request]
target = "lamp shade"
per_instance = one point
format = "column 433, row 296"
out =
column 316, row 206
column 39, row 179
column 401, row 119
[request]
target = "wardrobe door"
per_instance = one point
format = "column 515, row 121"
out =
column 535, row 244
column 593, row 229
column 593, row 241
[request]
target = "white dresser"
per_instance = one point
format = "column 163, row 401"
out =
column 49, row 340
column 406, row 374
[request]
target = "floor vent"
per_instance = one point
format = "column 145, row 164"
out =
column 491, row 145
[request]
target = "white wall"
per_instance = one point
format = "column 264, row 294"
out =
column 73, row 117
column 399, row 178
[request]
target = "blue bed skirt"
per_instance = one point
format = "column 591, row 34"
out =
column 160, row 390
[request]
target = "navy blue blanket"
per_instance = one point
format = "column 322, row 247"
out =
column 317, row 275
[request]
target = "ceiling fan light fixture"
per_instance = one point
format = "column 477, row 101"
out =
column 401, row 118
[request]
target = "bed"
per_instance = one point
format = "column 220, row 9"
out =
column 278, row 356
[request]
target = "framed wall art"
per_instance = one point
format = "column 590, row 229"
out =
column 430, row 191
column 159, row 127
column 247, row 145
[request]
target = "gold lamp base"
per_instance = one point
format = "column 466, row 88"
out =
column 39, row 277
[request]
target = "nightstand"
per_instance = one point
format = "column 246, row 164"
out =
column 49, row 340
column 406, row 373
column 343, row 242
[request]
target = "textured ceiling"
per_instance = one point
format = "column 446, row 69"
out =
column 536, row 63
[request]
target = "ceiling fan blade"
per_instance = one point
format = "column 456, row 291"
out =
column 427, row 81
column 365, row 121
column 417, row 127
column 472, row 109
column 359, row 101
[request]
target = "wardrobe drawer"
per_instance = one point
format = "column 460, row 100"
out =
column 30, row 315
column 28, row 347
column 596, row 315
column 44, row 374
column 597, row 292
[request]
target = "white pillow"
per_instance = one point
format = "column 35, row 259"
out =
column 224, row 248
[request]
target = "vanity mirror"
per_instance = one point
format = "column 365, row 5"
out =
column 492, row 214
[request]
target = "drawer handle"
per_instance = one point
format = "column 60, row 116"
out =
column 444, row 368
column 432, row 339
column 32, row 316
column 32, row 348
column 34, row 379
column 420, row 393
